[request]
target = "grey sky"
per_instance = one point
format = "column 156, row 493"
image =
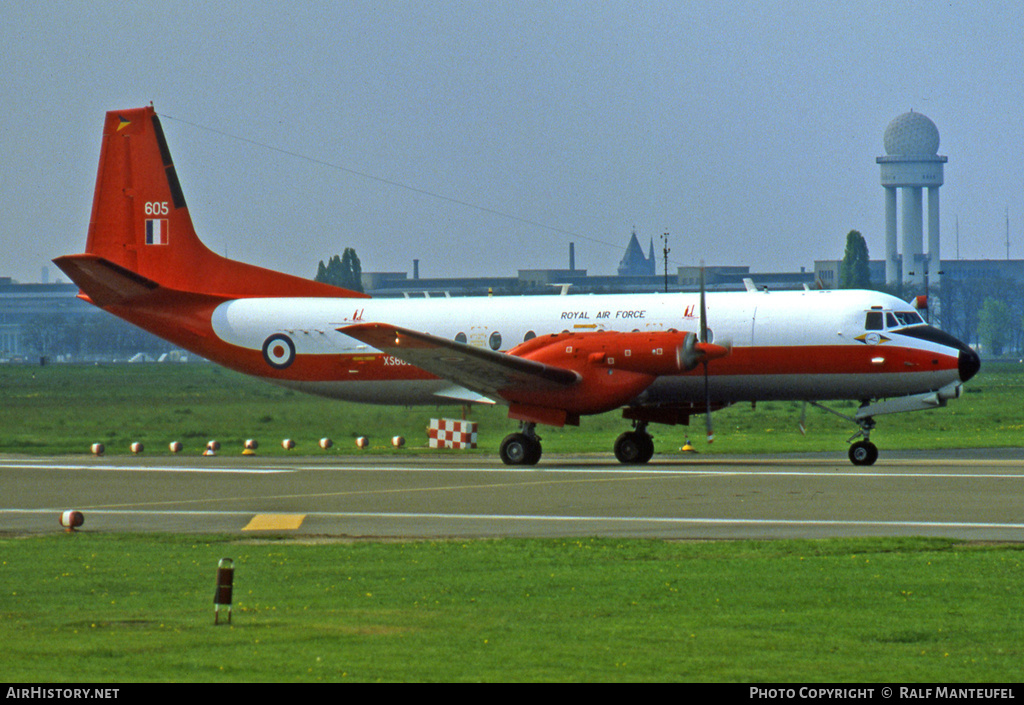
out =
column 746, row 130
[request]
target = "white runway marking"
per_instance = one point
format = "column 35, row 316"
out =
column 21, row 465
column 670, row 520
column 717, row 468
column 691, row 521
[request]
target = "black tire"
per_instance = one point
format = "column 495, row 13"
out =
column 648, row 448
column 634, row 448
column 863, row 453
column 535, row 451
column 520, row 449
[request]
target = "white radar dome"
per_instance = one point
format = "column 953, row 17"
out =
column 911, row 134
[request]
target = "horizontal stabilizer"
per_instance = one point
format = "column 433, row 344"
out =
column 104, row 282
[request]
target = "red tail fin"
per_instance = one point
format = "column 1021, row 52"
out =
column 140, row 221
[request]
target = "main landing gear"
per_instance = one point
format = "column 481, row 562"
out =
column 635, row 447
column 521, row 448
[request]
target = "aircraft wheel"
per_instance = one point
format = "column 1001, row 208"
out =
column 647, row 447
column 520, row 449
column 634, row 448
column 863, row 453
column 535, row 451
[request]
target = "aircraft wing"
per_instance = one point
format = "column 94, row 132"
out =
column 480, row 370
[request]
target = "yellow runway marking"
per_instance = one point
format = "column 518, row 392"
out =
column 275, row 522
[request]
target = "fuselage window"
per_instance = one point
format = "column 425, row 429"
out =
column 460, row 338
column 495, row 340
column 530, row 335
column 874, row 321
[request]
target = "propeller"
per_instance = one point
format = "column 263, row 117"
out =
column 687, row 355
column 696, row 349
column 704, row 340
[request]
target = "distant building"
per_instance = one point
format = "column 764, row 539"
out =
column 50, row 321
column 634, row 263
column 25, row 308
column 636, row 274
column 826, row 272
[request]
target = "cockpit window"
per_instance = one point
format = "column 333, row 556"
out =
column 908, row 318
column 874, row 321
column 878, row 320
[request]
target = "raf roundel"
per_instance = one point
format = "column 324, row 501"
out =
column 279, row 351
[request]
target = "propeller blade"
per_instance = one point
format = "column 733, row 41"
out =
column 803, row 420
column 704, row 339
column 707, row 403
column 703, row 308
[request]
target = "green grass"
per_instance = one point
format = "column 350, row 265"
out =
column 87, row 607
column 65, row 409
column 91, row 607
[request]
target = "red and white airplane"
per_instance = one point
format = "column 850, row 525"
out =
column 549, row 359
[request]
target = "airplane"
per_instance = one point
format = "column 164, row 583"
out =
column 659, row 358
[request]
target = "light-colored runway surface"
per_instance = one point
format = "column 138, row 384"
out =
column 977, row 494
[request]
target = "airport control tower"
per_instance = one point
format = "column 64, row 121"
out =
column 911, row 164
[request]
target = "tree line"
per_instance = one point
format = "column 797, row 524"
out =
column 345, row 271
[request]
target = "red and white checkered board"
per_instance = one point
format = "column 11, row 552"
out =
column 451, row 433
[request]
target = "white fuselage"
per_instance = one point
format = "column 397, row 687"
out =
column 782, row 329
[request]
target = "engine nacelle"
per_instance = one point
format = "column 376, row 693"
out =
column 613, row 368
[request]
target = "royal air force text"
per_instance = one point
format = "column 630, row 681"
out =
column 601, row 315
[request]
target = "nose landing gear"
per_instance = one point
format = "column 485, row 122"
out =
column 864, row 452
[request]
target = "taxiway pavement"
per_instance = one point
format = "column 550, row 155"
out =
column 969, row 494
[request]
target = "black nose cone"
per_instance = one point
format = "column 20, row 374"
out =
column 969, row 363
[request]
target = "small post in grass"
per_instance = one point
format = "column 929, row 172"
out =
column 225, row 583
